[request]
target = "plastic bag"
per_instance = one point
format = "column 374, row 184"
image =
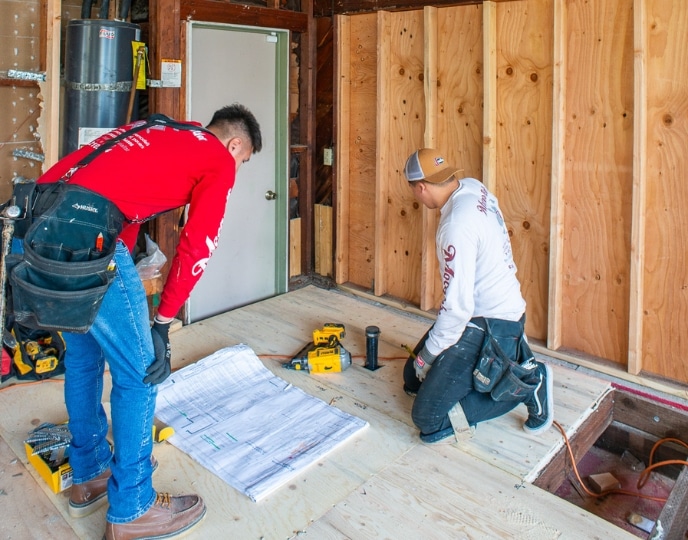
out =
column 150, row 264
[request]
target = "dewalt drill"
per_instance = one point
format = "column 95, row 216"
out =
column 325, row 354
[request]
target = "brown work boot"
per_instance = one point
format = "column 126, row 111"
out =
column 87, row 497
column 167, row 517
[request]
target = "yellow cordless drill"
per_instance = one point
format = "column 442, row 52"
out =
column 325, row 354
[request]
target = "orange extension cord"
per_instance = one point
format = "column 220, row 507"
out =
column 642, row 480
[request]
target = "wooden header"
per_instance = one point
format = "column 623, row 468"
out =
column 328, row 8
column 221, row 11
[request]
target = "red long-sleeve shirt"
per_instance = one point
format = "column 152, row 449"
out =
column 155, row 170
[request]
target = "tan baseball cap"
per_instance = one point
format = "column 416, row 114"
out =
column 428, row 164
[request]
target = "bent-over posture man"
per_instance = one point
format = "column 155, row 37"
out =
column 148, row 171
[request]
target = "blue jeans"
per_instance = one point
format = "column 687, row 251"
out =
column 121, row 336
column 450, row 381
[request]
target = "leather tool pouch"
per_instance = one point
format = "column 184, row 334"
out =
column 68, row 262
column 495, row 373
column 33, row 199
column 491, row 365
column 513, row 385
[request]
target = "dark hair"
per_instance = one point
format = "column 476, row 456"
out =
column 236, row 120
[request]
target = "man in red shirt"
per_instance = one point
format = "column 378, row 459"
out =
column 155, row 168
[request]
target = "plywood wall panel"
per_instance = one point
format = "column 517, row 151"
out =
column 456, row 111
column 401, row 132
column 665, row 309
column 524, row 145
column 598, row 178
column 361, row 160
column 460, row 87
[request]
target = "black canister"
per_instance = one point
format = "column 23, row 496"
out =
column 99, row 75
column 372, row 334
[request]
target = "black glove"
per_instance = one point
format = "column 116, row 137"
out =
column 160, row 369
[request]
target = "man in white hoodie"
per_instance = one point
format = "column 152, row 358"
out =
column 482, row 311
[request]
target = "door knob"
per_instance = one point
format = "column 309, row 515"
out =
column 270, row 195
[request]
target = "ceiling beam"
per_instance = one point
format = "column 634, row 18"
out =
column 328, row 8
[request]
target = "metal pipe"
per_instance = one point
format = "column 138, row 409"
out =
column 137, row 69
column 124, row 7
column 104, row 10
column 86, row 9
column 8, row 216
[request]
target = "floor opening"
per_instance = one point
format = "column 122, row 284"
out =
column 615, row 475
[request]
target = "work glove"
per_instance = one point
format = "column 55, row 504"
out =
column 161, row 367
column 423, row 363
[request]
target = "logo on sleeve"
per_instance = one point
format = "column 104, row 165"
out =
column 200, row 265
column 448, row 273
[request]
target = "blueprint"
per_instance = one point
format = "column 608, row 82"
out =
column 246, row 425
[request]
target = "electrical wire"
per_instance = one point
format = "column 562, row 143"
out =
column 643, row 476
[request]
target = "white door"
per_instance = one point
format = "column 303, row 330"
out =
column 228, row 64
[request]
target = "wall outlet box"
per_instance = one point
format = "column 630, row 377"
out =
column 327, row 156
column 58, row 478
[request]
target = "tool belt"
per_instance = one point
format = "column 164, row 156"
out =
column 59, row 282
column 497, row 374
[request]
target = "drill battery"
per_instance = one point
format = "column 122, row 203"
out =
column 329, row 334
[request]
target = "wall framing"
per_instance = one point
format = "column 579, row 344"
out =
column 552, row 102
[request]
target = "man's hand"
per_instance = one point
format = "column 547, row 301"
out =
column 422, row 366
column 161, row 368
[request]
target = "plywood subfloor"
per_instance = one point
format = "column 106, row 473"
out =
column 383, row 483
